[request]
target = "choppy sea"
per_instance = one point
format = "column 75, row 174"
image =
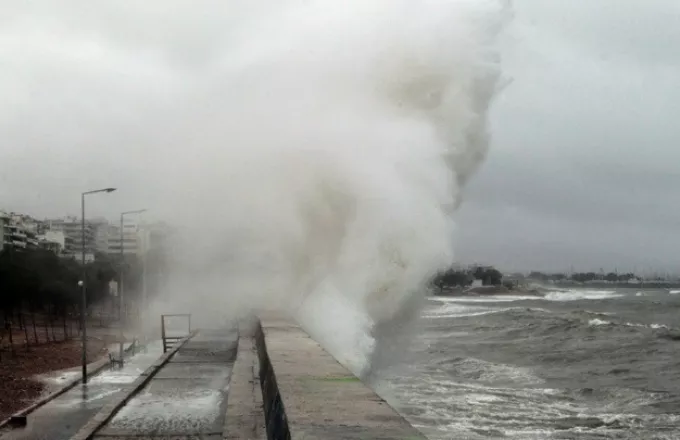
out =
column 577, row 364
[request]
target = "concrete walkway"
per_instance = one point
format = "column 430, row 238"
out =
column 62, row 417
column 322, row 399
column 187, row 398
column 184, row 395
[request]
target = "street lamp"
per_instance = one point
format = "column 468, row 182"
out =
column 83, row 283
column 120, row 280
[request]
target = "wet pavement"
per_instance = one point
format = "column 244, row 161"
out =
column 62, row 417
column 322, row 399
column 187, row 398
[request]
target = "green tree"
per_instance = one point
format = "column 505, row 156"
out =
column 612, row 277
column 490, row 276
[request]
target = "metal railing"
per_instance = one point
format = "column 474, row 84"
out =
column 170, row 340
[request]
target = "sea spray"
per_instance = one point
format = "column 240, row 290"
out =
column 309, row 153
column 346, row 133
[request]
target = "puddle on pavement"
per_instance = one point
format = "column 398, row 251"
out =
column 109, row 381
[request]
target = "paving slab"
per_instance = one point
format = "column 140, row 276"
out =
column 181, row 370
column 186, row 398
column 165, row 437
column 217, row 350
column 322, row 399
column 192, row 358
column 170, row 406
column 227, row 335
column 245, row 418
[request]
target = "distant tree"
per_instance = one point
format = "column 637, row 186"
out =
column 578, row 277
column 626, row 276
column 99, row 274
column 40, row 280
column 453, row 277
column 539, row 276
column 490, row 276
column 584, row 277
column 59, row 295
column 43, row 287
column 611, row 277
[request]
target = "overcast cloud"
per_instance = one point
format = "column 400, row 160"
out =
column 584, row 168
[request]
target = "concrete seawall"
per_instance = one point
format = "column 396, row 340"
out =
column 276, row 423
column 303, row 391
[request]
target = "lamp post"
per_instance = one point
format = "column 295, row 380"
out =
column 120, row 281
column 83, row 282
column 142, row 312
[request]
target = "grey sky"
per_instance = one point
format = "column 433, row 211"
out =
column 584, row 168
column 585, row 164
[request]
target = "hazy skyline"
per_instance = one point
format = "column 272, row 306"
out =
column 583, row 169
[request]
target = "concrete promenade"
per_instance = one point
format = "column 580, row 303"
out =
column 281, row 385
column 185, row 399
column 322, row 400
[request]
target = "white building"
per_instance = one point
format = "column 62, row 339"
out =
column 78, row 256
column 73, row 231
column 64, row 236
column 5, row 236
column 135, row 239
column 54, row 241
column 19, row 231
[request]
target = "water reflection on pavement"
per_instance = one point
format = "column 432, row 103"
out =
column 62, row 417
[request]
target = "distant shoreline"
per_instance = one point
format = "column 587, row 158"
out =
column 492, row 290
column 619, row 285
column 537, row 291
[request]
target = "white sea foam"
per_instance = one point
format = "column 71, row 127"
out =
column 459, row 311
column 575, row 295
column 485, row 299
column 447, row 409
column 561, row 295
column 178, row 411
column 454, row 310
column 600, row 322
column 592, row 312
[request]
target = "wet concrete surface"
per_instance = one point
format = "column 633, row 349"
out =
column 187, row 398
column 322, row 399
column 62, row 417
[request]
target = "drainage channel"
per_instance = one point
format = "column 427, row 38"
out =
column 185, row 397
column 62, row 417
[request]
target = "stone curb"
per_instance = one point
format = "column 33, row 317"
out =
column 108, row 411
column 244, row 418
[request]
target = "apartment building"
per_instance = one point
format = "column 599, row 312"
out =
column 64, row 236
column 72, row 229
column 54, row 241
column 5, row 236
column 135, row 239
column 19, row 231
